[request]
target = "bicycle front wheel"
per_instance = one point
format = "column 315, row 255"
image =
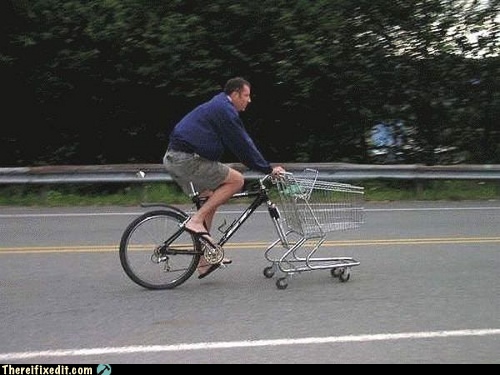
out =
column 156, row 253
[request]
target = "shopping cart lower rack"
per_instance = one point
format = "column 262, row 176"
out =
column 309, row 210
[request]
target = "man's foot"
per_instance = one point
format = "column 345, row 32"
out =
column 209, row 270
column 203, row 235
column 199, row 231
column 195, row 228
column 206, row 269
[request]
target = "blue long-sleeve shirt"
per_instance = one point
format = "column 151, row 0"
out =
column 213, row 127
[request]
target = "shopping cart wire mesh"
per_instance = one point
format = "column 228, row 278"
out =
column 312, row 208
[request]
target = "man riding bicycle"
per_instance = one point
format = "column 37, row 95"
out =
column 196, row 145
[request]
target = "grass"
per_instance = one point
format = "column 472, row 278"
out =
column 450, row 190
column 132, row 195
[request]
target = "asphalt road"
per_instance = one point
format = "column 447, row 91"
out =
column 426, row 291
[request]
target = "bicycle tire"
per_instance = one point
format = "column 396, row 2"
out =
column 146, row 260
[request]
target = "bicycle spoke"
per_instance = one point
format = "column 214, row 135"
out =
column 148, row 261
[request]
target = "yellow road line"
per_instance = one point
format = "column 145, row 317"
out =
column 257, row 245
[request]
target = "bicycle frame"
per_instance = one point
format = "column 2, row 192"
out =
column 261, row 196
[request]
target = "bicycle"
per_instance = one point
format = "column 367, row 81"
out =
column 157, row 252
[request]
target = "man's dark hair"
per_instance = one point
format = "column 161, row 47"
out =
column 235, row 84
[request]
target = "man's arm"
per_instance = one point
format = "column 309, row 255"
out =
column 239, row 142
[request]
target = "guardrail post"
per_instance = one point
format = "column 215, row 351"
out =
column 419, row 188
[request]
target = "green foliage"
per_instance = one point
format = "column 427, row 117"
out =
column 94, row 194
column 105, row 81
column 134, row 195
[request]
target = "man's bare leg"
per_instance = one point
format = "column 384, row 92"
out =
column 231, row 185
column 201, row 221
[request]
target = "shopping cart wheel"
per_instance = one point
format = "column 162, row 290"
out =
column 346, row 275
column 269, row 272
column 281, row 283
column 342, row 273
column 336, row 272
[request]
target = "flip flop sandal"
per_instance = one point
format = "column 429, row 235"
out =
column 213, row 267
column 210, row 269
column 201, row 235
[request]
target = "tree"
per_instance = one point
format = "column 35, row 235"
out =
column 122, row 72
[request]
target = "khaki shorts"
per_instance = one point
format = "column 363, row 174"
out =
column 192, row 168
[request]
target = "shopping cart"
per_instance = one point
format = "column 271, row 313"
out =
column 309, row 210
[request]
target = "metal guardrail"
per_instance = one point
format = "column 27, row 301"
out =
column 130, row 173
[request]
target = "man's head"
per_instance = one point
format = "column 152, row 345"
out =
column 238, row 89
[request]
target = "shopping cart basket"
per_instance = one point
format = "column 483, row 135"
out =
column 309, row 210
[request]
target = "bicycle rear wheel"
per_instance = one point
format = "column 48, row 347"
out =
column 155, row 253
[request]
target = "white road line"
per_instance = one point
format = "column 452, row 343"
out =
column 91, row 214
column 6, row 357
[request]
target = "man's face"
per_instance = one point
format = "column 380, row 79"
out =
column 241, row 99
